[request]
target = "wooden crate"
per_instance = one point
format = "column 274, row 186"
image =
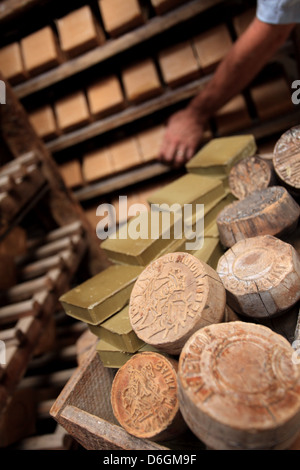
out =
column 83, row 408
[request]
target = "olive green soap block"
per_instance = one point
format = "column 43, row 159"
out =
column 188, row 189
column 141, row 240
column 210, row 252
column 110, row 355
column 101, row 296
column 218, row 156
column 113, row 357
column 117, row 331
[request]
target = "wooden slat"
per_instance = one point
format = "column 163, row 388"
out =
column 153, row 27
column 168, row 98
column 11, row 8
column 122, row 180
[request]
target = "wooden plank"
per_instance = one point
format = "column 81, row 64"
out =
column 12, row 8
column 153, row 27
column 121, row 180
column 134, row 112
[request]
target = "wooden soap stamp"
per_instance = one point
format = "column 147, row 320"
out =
column 173, row 297
column 238, row 387
column 261, row 276
column 144, row 397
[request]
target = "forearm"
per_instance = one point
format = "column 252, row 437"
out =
column 247, row 57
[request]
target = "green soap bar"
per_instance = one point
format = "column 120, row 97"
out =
column 211, row 216
column 188, row 189
column 219, row 155
column 115, row 358
column 211, row 210
column 102, row 295
column 210, row 253
column 111, row 356
column 125, row 249
column 117, row 331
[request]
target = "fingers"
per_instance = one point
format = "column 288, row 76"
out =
column 175, row 154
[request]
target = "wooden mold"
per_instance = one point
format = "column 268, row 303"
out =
column 144, row 397
column 239, row 388
column 249, row 175
column 172, row 298
column 286, row 159
column 271, row 211
column 261, row 276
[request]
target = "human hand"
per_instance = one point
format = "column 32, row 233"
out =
column 182, row 137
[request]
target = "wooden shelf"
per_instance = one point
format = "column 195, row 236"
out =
column 139, row 174
column 153, row 27
column 33, row 302
column 280, row 124
column 12, row 8
column 121, row 180
column 133, row 112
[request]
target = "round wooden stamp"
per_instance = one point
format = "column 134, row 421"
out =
column 144, row 397
column 173, row 297
column 286, row 159
column 249, row 175
column 261, row 276
column 239, row 387
column 271, row 211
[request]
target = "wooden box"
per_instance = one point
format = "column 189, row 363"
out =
column 72, row 111
column 44, row 122
column 141, row 81
column 78, row 31
column 105, row 96
column 119, row 16
column 178, row 64
column 11, row 63
column 40, row 51
column 83, row 408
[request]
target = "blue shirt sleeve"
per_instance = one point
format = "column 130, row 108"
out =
column 278, row 11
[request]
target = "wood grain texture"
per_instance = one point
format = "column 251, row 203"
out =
column 271, row 211
column 286, row 159
column 172, row 298
column 144, row 397
column 238, row 387
column 261, row 276
column 249, row 175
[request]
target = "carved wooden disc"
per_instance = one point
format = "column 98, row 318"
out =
column 271, row 211
column 173, row 297
column 239, row 388
column 261, row 276
column 286, row 158
column 249, row 175
column 144, row 397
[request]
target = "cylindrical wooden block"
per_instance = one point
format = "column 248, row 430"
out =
column 271, row 211
column 286, row 159
column 238, row 387
column 261, row 276
column 249, row 175
column 144, row 397
column 172, row 298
